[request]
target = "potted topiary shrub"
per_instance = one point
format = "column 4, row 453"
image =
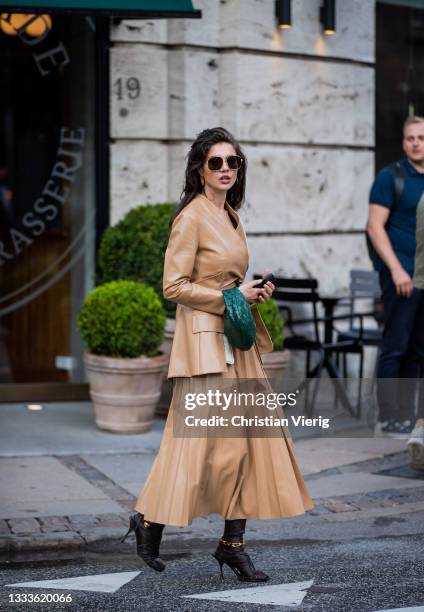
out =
column 122, row 325
column 274, row 363
column 134, row 249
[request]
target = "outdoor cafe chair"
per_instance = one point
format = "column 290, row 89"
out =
column 364, row 284
column 291, row 292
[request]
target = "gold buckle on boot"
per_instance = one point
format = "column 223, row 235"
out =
column 232, row 544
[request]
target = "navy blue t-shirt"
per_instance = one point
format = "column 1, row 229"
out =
column 402, row 222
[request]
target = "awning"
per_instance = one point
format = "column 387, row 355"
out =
column 152, row 9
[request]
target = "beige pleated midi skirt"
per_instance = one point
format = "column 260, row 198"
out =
column 242, row 477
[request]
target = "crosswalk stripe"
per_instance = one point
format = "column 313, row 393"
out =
column 290, row 594
column 413, row 609
column 103, row 583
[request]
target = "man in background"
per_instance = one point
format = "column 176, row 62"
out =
column 391, row 229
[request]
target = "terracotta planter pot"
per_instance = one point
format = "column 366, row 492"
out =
column 275, row 363
column 125, row 391
column 166, row 390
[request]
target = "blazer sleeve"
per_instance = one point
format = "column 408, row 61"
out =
column 178, row 268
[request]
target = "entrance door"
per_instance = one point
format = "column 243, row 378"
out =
column 399, row 74
column 47, row 202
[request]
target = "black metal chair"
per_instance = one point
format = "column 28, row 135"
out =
column 299, row 291
column 304, row 291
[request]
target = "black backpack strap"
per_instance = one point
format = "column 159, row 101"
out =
column 399, row 181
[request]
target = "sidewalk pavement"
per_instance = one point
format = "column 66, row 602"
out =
column 65, row 485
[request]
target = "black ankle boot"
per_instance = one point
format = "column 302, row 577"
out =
column 148, row 536
column 231, row 551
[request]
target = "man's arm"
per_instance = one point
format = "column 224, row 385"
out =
column 377, row 219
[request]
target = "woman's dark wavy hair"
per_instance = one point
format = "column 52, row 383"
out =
column 195, row 160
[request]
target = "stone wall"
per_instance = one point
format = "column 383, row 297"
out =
column 301, row 103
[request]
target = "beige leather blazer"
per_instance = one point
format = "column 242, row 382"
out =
column 205, row 255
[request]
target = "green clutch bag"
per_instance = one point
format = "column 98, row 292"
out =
column 239, row 324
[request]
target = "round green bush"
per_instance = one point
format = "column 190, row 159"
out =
column 134, row 248
column 274, row 322
column 122, row 319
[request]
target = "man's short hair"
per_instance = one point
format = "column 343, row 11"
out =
column 412, row 120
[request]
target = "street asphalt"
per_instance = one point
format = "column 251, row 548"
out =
column 68, row 490
column 351, row 575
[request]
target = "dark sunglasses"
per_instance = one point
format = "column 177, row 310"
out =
column 234, row 162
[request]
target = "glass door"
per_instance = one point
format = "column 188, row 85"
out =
column 47, row 201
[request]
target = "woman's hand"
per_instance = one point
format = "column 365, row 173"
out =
column 257, row 296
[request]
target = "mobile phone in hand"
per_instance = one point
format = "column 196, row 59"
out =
column 268, row 277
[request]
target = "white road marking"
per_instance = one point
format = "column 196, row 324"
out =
column 103, row 583
column 413, row 609
column 290, row 594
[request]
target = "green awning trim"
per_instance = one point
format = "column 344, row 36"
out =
column 133, row 8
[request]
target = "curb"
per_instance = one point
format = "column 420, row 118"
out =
column 60, row 540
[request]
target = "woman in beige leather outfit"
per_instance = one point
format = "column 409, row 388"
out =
column 238, row 478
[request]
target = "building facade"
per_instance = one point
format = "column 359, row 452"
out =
column 300, row 102
column 97, row 115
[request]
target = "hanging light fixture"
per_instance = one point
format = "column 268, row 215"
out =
column 283, row 13
column 328, row 17
column 36, row 26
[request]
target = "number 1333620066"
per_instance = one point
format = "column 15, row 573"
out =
column 40, row 598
